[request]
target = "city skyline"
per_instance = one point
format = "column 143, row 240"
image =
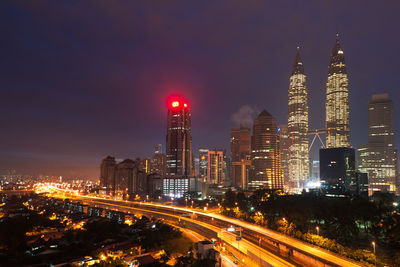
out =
column 59, row 114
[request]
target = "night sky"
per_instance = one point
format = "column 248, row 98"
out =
column 83, row 79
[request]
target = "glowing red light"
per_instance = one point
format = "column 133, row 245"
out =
column 185, row 105
column 175, row 104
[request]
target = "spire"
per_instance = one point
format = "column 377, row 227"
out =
column 337, row 63
column 298, row 64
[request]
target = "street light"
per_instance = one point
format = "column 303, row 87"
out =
column 317, row 228
column 373, row 246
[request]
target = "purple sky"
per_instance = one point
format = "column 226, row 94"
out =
column 83, row 79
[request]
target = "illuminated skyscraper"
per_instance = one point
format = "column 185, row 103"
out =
column 203, row 163
column 378, row 157
column 179, row 139
column 215, row 173
column 298, row 160
column 265, row 159
column 284, row 153
column 337, row 100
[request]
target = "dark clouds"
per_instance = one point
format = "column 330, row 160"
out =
column 82, row 79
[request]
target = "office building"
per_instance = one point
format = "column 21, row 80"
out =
column 337, row 100
column 378, row 158
column 284, row 154
column 265, row 158
column 179, row 139
column 107, row 173
column 337, row 171
column 158, row 149
column 241, row 172
column 203, row 163
column 240, row 142
column 215, row 167
column 175, row 187
column 298, row 159
column 158, row 162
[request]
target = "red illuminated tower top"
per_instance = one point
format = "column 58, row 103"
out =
column 179, row 138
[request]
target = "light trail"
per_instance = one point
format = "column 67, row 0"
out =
column 281, row 238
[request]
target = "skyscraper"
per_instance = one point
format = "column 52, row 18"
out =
column 125, row 171
column 378, row 157
column 240, row 143
column 337, row 170
column 240, row 153
column 298, row 161
column 215, row 167
column 107, row 173
column 203, row 163
column 284, row 153
column 158, row 164
column 337, row 100
column 179, row 139
column 265, row 159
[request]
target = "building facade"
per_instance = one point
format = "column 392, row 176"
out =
column 107, row 173
column 241, row 172
column 240, row 142
column 298, row 161
column 337, row 171
column 203, row 163
column 215, row 167
column 179, row 139
column 265, row 158
column 284, row 154
column 337, row 100
column 125, row 171
column 378, row 158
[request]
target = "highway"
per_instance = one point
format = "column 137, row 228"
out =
column 245, row 246
column 293, row 250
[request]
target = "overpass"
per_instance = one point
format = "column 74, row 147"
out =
column 270, row 248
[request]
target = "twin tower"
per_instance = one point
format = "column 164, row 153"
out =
column 337, row 114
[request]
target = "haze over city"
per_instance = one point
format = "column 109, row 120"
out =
column 84, row 79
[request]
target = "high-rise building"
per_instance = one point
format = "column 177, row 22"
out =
column 298, row 162
column 215, row 167
column 337, row 170
column 125, row 171
column 337, row 100
column 240, row 143
column 227, row 169
column 284, row 153
column 107, row 173
column 158, row 149
column 240, row 152
column 158, row 164
column 378, row 158
column 203, row 163
column 265, row 158
column 145, row 165
column 179, row 139
column 241, row 172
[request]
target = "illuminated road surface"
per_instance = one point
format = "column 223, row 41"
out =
column 244, row 246
column 299, row 245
